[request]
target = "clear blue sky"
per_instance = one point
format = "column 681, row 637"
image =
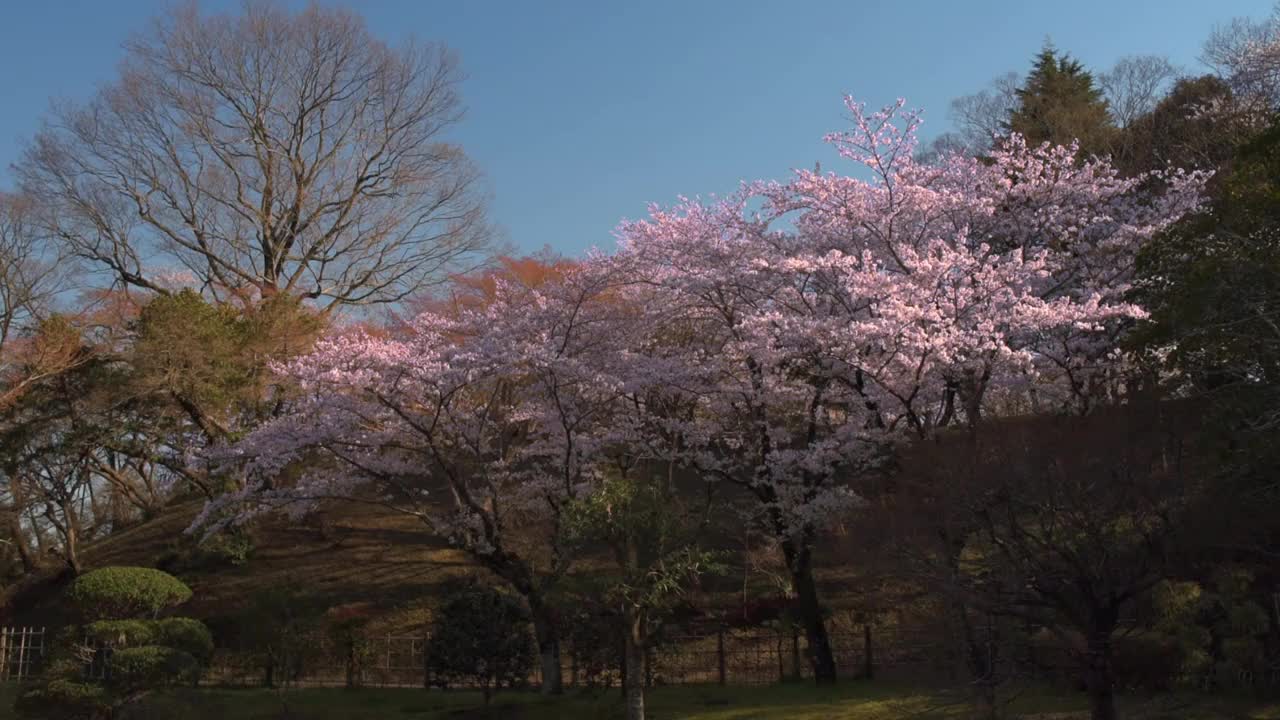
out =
column 580, row 113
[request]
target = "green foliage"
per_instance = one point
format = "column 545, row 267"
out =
column 1059, row 103
column 214, row 356
column 481, row 635
column 152, row 666
column 592, row 629
column 186, row 634
column 279, row 627
column 122, row 633
column 1175, row 134
column 1212, row 288
column 142, row 653
column 124, row 592
column 232, row 548
column 64, row 699
column 191, row 347
column 652, row 534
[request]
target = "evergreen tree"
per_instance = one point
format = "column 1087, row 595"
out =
column 1060, row 103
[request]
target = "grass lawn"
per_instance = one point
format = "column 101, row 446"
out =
column 849, row 701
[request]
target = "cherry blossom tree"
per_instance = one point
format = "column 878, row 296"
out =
column 837, row 314
column 481, row 422
column 781, row 340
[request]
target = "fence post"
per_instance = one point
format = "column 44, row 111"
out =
column 22, row 652
column 573, row 665
column 4, row 653
column 720, row 664
column 868, row 661
column 795, row 653
column 426, row 663
column 782, row 673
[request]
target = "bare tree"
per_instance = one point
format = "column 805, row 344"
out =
column 1135, row 85
column 980, row 118
column 267, row 152
column 30, row 279
column 1246, row 54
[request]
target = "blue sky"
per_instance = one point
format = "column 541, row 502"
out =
column 581, row 113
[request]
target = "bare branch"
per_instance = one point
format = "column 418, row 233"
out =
column 267, row 152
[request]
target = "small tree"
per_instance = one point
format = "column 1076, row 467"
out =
column 347, row 627
column 481, row 635
column 120, row 608
column 638, row 515
column 279, row 627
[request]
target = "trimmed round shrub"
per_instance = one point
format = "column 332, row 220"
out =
column 152, row 666
column 482, row 637
column 124, row 592
column 186, row 634
column 122, row 633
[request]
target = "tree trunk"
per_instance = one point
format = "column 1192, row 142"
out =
column 981, row 653
column 800, row 562
column 71, row 546
column 635, row 662
column 1098, row 672
column 21, row 544
column 544, row 629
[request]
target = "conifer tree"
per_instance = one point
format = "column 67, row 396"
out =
column 1060, row 103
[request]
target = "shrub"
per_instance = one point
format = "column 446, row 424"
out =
column 185, row 634
column 64, row 699
column 141, row 653
column 279, row 628
column 223, row 550
column 124, row 592
column 1147, row 661
column 122, row 633
column 151, row 666
column 481, row 635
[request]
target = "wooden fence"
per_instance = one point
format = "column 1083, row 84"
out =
column 756, row 656
column 21, row 652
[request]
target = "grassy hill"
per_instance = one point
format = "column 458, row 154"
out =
column 360, row 556
column 354, row 553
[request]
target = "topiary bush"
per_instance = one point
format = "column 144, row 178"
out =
column 122, row 638
column 186, row 634
column 481, row 636
column 126, row 592
column 151, row 666
column 121, row 633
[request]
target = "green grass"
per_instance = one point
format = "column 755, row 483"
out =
column 849, row 701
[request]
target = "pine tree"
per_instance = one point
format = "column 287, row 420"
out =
column 1059, row 103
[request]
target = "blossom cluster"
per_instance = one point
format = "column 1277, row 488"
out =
column 778, row 339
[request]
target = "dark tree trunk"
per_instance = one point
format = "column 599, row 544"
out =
column 22, row 545
column 544, row 629
column 1098, row 671
column 800, row 562
column 71, row 537
column 981, row 651
column 635, row 663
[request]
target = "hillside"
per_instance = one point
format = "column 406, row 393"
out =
column 362, row 557
column 342, row 555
